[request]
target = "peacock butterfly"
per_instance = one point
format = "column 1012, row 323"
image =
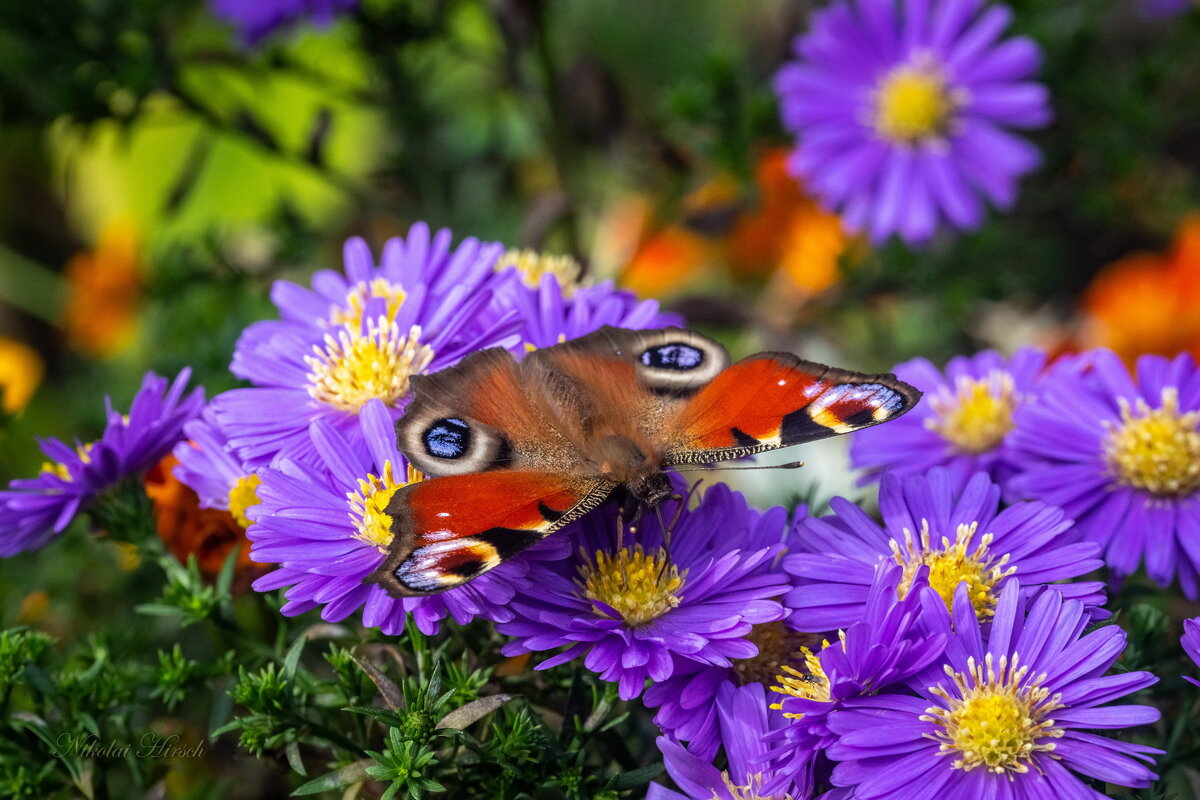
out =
column 522, row 448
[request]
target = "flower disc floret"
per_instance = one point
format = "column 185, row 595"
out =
column 953, row 562
column 350, row 311
column 811, row 684
column 639, row 587
column 993, row 717
column 242, row 496
column 354, row 366
column 1156, row 450
column 914, row 103
column 977, row 416
column 368, row 507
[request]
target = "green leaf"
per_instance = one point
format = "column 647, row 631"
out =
column 638, row 777
column 222, row 707
column 347, row 775
column 293, row 756
column 391, row 693
column 383, row 715
column 473, row 711
column 292, row 659
column 156, row 609
column 225, row 576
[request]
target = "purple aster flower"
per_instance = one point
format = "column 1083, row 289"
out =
column 1161, row 9
column 552, row 314
column 326, row 527
column 208, row 465
column 255, row 19
column 628, row 606
column 35, row 510
column 902, row 109
column 685, row 701
column 361, row 335
column 964, row 420
column 1121, row 454
column 1007, row 716
column 746, row 725
column 1191, row 644
column 885, row 647
column 954, row 527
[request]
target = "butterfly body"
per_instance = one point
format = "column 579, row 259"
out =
column 519, row 449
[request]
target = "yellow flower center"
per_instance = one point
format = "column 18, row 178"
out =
column 360, row 293
column 242, row 496
column 354, row 367
column 533, row 265
column 60, row 470
column 952, row 563
column 811, row 684
column 777, row 646
column 639, row 587
column 977, row 416
column 1156, row 450
column 368, row 506
column 913, row 103
column 994, row 718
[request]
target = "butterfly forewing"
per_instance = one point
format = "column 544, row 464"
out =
column 773, row 400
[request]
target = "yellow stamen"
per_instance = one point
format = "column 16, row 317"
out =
column 368, row 506
column 59, row 469
column 978, row 415
column 242, row 496
column 914, row 104
column 533, row 265
column 637, row 586
column 777, row 646
column 1156, row 450
column 747, row 791
column 994, row 718
column 812, row 684
column 356, row 301
column 354, row 367
column 953, row 563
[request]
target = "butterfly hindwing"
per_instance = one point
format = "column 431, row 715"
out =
column 773, row 400
column 449, row 530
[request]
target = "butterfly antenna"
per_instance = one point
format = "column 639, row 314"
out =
column 714, row 468
column 666, row 532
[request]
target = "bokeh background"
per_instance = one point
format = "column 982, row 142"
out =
column 162, row 162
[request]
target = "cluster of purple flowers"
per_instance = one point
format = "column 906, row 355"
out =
column 942, row 645
column 1118, row 451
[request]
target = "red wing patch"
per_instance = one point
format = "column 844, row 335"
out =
column 447, row 531
column 773, row 400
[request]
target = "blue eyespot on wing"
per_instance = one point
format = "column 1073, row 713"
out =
column 447, row 438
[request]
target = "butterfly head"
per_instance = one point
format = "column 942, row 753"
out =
column 619, row 459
